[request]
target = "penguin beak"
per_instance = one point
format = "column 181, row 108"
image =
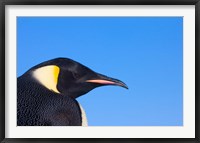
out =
column 104, row 80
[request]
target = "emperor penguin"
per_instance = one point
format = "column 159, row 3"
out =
column 47, row 93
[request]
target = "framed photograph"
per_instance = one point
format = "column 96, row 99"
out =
column 79, row 71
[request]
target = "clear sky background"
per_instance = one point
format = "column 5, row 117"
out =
column 144, row 52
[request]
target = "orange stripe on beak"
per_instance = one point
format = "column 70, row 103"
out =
column 100, row 81
column 108, row 82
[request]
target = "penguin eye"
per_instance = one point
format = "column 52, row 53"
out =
column 76, row 75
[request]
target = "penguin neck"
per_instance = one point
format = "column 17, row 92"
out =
column 83, row 116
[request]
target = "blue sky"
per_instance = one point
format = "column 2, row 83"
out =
column 144, row 52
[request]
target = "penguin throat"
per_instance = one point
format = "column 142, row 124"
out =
column 83, row 116
column 48, row 76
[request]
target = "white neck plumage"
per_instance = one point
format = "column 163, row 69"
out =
column 83, row 116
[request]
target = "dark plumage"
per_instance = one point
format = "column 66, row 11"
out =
column 46, row 93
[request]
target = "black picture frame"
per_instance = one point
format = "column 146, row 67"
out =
column 3, row 3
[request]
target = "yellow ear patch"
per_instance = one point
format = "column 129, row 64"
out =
column 48, row 76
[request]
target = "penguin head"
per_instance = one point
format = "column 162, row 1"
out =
column 67, row 77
